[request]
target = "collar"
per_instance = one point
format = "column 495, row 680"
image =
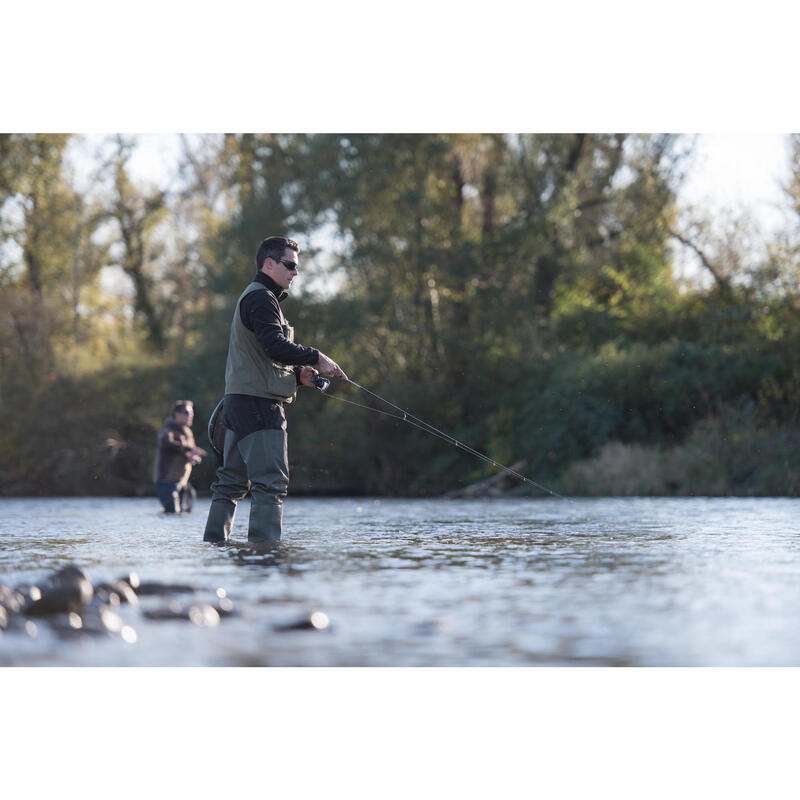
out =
column 271, row 285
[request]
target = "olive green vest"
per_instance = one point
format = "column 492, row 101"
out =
column 249, row 369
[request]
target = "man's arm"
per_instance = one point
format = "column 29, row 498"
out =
column 170, row 442
column 260, row 313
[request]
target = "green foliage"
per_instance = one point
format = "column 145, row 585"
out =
column 643, row 393
column 85, row 434
column 515, row 292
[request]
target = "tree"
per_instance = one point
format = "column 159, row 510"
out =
column 49, row 260
column 137, row 214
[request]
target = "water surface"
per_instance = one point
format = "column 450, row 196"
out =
column 498, row 582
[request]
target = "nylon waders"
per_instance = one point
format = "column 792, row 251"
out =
column 220, row 521
column 258, row 463
column 265, row 456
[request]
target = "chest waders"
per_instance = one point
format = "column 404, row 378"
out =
column 258, row 462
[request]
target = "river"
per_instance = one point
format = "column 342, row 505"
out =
column 494, row 582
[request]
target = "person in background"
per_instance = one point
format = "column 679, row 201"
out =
column 176, row 454
column 264, row 368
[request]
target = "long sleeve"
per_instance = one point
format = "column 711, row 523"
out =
column 260, row 313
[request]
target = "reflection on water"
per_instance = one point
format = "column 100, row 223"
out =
column 425, row 583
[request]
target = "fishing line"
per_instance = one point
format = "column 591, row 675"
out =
column 411, row 419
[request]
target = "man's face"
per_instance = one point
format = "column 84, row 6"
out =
column 279, row 271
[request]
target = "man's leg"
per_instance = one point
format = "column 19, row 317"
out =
column 168, row 495
column 265, row 454
column 188, row 495
column 230, row 486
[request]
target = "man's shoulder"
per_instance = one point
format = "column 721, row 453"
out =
column 260, row 297
column 258, row 290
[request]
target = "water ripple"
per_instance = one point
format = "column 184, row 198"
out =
column 431, row 583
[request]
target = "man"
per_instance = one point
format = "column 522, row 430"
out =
column 263, row 370
column 176, row 454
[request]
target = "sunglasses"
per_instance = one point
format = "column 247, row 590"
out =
column 290, row 265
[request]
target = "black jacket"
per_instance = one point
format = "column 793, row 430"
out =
column 260, row 313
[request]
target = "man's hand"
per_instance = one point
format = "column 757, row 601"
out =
column 198, row 451
column 329, row 367
column 307, row 376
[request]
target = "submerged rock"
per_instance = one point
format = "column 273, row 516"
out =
column 69, row 625
column 173, row 610
column 11, row 600
column 28, row 592
column 96, row 620
column 200, row 614
column 67, row 590
column 224, row 607
column 316, row 621
column 154, row 588
column 54, row 600
column 120, row 591
column 132, row 579
column 74, row 579
column 204, row 615
column 64, row 591
column 74, row 609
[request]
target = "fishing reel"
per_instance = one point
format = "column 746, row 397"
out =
column 321, row 382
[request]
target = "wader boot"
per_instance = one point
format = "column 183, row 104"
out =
column 220, row 521
column 265, row 454
column 229, row 486
column 265, row 522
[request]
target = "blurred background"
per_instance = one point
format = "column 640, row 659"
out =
column 618, row 313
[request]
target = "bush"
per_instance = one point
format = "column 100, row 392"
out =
column 736, row 454
column 651, row 395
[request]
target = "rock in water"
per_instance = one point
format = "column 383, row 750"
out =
column 147, row 588
column 202, row 614
column 224, row 607
column 173, row 610
column 73, row 578
column 67, row 590
column 11, row 599
column 120, row 591
column 132, row 579
column 316, row 621
column 55, row 600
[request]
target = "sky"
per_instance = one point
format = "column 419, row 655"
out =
column 739, row 169
column 733, row 174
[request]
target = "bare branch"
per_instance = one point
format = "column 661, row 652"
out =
column 721, row 279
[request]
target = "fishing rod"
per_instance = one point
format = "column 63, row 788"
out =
column 322, row 383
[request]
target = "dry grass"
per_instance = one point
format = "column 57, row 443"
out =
column 719, row 458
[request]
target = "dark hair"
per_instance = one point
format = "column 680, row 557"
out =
column 274, row 247
column 181, row 406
